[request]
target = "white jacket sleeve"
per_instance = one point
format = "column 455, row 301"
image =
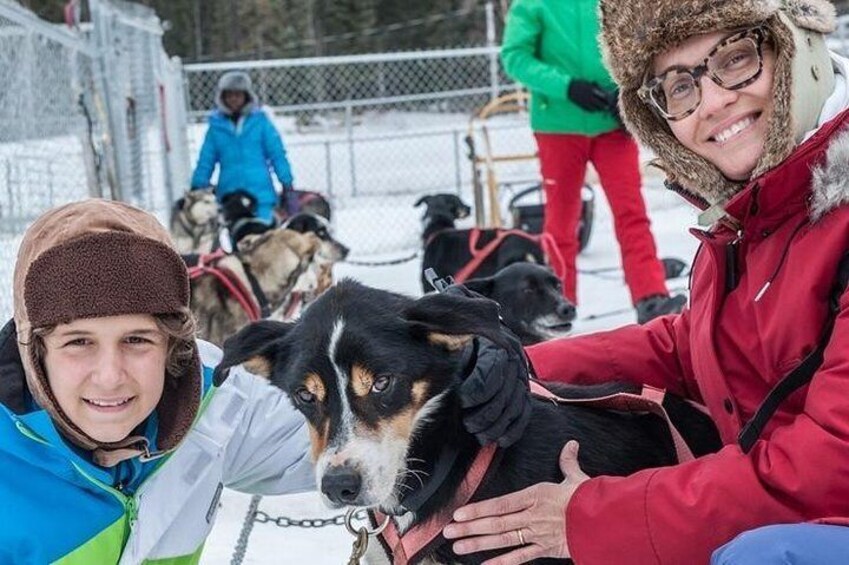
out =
column 268, row 452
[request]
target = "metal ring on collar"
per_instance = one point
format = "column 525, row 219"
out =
column 349, row 517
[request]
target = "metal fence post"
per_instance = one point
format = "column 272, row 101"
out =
column 493, row 56
column 458, row 178
column 328, row 167
column 349, row 121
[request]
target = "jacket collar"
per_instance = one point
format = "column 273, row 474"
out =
column 815, row 177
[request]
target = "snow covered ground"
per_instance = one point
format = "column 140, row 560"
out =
column 604, row 303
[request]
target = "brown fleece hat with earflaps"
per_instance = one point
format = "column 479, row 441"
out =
column 103, row 258
column 634, row 32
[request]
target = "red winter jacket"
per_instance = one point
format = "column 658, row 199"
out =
column 727, row 351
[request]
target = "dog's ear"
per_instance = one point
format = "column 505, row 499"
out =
column 483, row 286
column 256, row 345
column 179, row 203
column 422, row 200
column 452, row 321
column 249, row 242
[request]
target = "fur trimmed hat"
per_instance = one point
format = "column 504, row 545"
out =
column 239, row 81
column 634, row 32
column 102, row 258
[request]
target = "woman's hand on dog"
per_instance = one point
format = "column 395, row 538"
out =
column 533, row 520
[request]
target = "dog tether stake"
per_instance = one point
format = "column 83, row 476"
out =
column 358, row 550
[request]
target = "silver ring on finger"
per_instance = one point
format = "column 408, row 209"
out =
column 521, row 537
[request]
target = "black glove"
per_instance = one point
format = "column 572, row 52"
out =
column 588, row 95
column 613, row 105
column 494, row 394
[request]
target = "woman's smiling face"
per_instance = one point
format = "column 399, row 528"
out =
column 729, row 127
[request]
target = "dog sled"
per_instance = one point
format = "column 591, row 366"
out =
column 525, row 206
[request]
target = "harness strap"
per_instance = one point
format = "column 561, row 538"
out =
column 231, row 281
column 650, row 400
column 407, row 549
column 803, row 373
column 262, row 300
column 479, row 255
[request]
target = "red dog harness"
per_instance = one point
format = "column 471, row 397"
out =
column 479, row 255
column 414, row 544
column 208, row 264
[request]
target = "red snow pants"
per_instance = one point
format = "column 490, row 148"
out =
column 563, row 163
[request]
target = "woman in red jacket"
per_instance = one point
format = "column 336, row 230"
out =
column 748, row 114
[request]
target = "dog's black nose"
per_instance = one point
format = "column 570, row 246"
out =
column 344, row 250
column 566, row 310
column 341, row 484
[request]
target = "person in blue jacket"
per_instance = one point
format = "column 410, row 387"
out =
column 244, row 143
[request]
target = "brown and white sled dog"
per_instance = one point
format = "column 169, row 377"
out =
column 194, row 222
column 319, row 276
column 267, row 267
column 376, row 374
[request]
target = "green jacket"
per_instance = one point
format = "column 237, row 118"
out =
column 546, row 44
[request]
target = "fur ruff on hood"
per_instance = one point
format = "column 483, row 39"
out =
column 103, row 258
column 636, row 31
column 236, row 80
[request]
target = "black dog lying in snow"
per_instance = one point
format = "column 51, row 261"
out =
column 531, row 300
column 446, row 249
column 375, row 375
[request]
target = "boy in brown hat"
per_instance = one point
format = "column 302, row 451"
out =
column 747, row 112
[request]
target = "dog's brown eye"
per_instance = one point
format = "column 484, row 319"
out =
column 305, row 396
column 380, row 384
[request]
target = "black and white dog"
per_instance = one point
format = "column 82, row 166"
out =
column 531, row 300
column 375, row 374
column 447, row 250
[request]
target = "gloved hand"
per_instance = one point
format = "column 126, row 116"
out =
column 494, row 394
column 290, row 202
column 588, row 95
column 613, row 105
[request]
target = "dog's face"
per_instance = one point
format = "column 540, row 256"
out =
column 278, row 256
column 331, row 250
column 368, row 369
column 446, row 205
column 531, row 299
column 200, row 207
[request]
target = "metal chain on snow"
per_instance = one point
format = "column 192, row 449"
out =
column 247, row 526
column 383, row 263
column 286, row 522
column 255, row 515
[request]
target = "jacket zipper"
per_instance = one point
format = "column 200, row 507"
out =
column 732, row 278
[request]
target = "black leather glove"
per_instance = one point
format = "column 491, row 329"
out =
column 494, row 394
column 588, row 95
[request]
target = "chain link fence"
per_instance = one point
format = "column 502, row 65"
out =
column 375, row 132
column 84, row 112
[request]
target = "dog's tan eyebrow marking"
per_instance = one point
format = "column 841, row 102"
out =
column 259, row 366
column 319, row 439
column 361, row 380
column 450, row 342
column 315, row 385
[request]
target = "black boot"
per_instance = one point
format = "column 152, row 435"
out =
column 659, row 305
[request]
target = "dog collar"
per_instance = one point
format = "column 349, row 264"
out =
column 411, row 546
